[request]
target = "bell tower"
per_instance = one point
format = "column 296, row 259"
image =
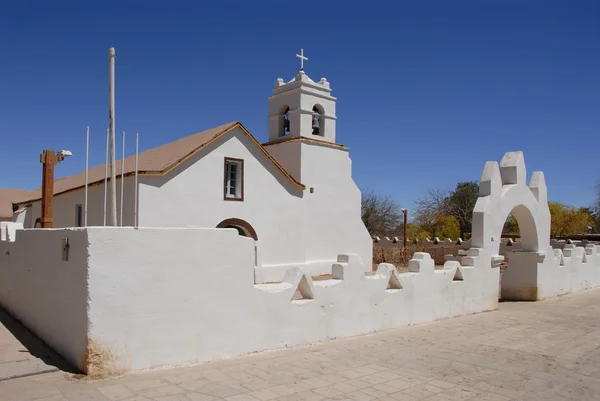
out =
column 302, row 108
column 302, row 139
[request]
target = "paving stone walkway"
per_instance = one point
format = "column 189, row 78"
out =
column 525, row 351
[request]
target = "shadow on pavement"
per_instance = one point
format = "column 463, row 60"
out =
column 33, row 345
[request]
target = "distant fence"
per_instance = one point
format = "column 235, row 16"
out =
column 580, row 237
column 399, row 257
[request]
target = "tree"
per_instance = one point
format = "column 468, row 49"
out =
column 429, row 210
column 436, row 205
column 511, row 226
column 450, row 228
column 414, row 232
column 460, row 204
column 380, row 214
column 596, row 208
column 597, row 200
column 568, row 220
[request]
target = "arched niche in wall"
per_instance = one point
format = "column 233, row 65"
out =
column 242, row 226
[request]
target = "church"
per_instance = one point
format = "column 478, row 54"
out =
column 293, row 195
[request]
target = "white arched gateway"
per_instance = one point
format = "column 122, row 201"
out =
column 503, row 190
column 536, row 271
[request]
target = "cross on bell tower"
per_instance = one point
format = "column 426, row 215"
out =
column 302, row 108
column 302, row 59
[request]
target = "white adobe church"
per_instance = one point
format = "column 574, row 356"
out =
column 294, row 195
column 117, row 299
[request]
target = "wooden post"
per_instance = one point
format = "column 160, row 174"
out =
column 405, row 212
column 48, row 159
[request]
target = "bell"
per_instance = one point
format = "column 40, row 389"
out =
column 315, row 122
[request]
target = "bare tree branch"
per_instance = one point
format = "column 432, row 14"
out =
column 430, row 209
column 380, row 214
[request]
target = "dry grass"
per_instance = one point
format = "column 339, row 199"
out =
column 397, row 256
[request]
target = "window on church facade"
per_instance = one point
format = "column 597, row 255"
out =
column 78, row 215
column 234, row 179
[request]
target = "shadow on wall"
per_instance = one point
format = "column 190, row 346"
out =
column 31, row 344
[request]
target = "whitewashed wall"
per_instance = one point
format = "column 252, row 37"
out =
column 195, row 287
column 130, row 299
column 533, row 276
column 47, row 294
column 192, row 196
column 294, row 227
column 333, row 211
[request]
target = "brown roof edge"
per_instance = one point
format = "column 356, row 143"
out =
column 168, row 168
column 305, row 139
column 275, row 162
column 9, row 198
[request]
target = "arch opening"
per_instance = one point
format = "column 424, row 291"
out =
column 519, row 246
column 317, row 120
column 284, row 121
column 242, row 226
column 521, row 224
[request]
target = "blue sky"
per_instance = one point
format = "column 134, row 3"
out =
column 427, row 91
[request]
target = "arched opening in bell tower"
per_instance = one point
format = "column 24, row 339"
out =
column 284, row 123
column 317, row 120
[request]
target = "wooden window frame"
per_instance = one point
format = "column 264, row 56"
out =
column 239, row 223
column 240, row 178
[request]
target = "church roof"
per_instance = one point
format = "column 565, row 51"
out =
column 10, row 196
column 157, row 161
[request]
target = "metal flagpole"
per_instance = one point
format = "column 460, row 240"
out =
column 122, row 177
column 87, row 155
column 111, row 126
column 137, row 138
column 106, row 176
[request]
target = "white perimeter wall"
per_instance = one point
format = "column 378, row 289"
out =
column 47, row 294
column 166, row 297
column 533, row 276
column 173, row 296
